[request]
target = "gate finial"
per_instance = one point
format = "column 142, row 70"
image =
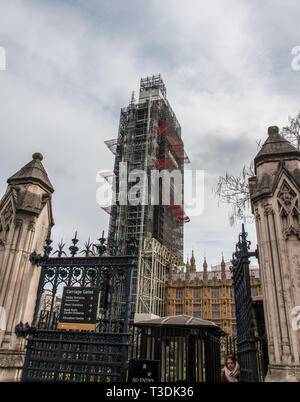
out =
column 48, row 248
column 101, row 248
column 60, row 251
column 73, row 249
column 87, row 250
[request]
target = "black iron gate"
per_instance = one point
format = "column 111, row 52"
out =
column 246, row 342
column 78, row 355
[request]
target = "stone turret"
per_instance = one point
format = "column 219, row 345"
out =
column 25, row 220
column 193, row 263
column 187, row 270
column 275, row 200
column 223, row 269
column 205, row 276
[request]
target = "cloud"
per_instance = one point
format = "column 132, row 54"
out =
column 71, row 66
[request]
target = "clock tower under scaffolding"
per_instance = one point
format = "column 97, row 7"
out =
column 149, row 142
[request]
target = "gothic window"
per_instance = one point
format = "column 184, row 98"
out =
column 215, row 293
column 197, row 310
column 233, row 310
column 5, row 222
column 216, row 311
column 197, row 293
column 288, row 207
column 179, row 294
column 179, row 309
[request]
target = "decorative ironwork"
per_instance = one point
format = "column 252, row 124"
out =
column 48, row 248
column 22, row 330
column 60, row 251
column 73, row 249
column 184, row 353
column 58, row 355
column 69, row 356
column 87, row 251
column 35, row 258
column 246, row 342
column 101, row 248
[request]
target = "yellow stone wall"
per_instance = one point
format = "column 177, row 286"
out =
column 215, row 294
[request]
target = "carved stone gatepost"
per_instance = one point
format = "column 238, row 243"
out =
column 25, row 220
column 275, row 199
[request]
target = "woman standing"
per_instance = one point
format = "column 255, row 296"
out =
column 231, row 372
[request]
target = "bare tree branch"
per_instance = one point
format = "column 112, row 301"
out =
column 292, row 132
column 234, row 190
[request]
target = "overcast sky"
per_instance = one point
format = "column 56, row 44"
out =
column 71, row 66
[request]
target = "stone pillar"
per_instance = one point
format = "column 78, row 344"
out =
column 25, row 220
column 275, row 200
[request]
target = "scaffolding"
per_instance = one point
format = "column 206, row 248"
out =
column 149, row 138
column 167, row 131
column 179, row 212
column 156, row 260
column 152, row 83
column 163, row 164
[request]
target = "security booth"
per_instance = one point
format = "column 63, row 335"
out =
column 187, row 348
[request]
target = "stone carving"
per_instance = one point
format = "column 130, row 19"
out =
column 296, row 263
column 288, row 205
column 6, row 216
column 268, row 210
column 278, row 239
column 28, row 192
column 295, row 313
column 11, row 360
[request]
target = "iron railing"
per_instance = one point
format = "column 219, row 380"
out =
column 75, row 355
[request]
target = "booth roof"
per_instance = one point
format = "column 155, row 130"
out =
column 181, row 320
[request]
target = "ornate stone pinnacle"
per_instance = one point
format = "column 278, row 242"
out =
column 37, row 155
column 273, row 130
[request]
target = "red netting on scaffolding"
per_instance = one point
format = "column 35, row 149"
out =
column 179, row 212
column 165, row 163
column 112, row 145
column 166, row 130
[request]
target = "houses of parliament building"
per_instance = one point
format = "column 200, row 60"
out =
column 207, row 294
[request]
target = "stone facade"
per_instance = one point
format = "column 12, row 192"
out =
column 25, row 220
column 207, row 294
column 275, row 191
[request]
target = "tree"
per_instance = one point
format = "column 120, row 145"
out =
column 234, row 190
column 292, row 132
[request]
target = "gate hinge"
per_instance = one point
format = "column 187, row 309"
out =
column 36, row 259
column 24, row 330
